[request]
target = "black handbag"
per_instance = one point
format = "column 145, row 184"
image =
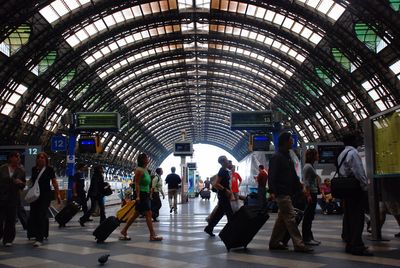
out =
column 344, row 186
column 106, row 190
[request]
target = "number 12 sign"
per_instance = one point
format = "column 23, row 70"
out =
column 58, row 143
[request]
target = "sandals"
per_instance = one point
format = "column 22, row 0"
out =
column 124, row 238
column 156, row 238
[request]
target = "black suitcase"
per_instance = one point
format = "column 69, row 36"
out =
column 67, row 213
column 251, row 200
column 103, row 231
column 205, row 194
column 245, row 224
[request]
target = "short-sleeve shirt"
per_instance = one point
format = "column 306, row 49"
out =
column 262, row 178
column 173, row 180
column 310, row 178
column 44, row 182
column 235, row 182
column 224, row 175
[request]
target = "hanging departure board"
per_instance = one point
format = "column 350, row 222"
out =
column 98, row 121
column 387, row 143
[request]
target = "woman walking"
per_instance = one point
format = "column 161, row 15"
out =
column 96, row 196
column 311, row 184
column 38, row 222
column 142, row 188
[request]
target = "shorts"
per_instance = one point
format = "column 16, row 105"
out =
column 144, row 204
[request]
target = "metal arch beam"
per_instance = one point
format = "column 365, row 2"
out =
column 179, row 115
column 219, row 133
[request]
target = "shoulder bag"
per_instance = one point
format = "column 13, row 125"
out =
column 106, row 190
column 34, row 192
column 344, row 186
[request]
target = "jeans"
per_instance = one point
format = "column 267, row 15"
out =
column 309, row 214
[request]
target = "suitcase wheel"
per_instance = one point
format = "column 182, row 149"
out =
column 61, row 226
column 100, row 241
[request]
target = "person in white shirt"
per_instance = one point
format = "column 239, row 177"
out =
column 354, row 205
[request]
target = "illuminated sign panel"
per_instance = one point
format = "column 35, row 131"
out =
column 101, row 121
column 183, row 148
column 387, row 143
column 251, row 120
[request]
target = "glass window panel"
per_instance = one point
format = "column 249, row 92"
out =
column 49, row 14
column 7, row 109
column 368, row 36
column 325, row 6
column 18, row 38
column 336, row 12
column 100, row 25
column 395, row 67
column 395, row 4
column 72, row 40
column 60, row 7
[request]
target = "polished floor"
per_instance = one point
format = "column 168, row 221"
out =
column 186, row 245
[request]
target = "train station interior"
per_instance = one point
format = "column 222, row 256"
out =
column 98, row 82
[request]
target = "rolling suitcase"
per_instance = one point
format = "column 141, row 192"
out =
column 245, row 224
column 103, row 231
column 67, row 213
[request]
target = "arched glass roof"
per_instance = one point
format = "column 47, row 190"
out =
column 171, row 65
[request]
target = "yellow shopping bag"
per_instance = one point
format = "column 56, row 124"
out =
column 127, row 211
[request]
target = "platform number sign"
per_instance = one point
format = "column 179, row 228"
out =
column 58, row 143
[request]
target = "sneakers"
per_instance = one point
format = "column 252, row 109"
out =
column 304, row 249
column 278, row 247
column 171, row 209
column 82, row 223
column 37, row 244
column 208, row 230
column 364, row 252
column 312, row 242
column 175, row 211
column 7, row 245
column 397, row 235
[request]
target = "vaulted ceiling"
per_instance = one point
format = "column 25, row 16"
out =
column 174, row 65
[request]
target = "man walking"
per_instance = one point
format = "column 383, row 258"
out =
column 224, row 193
column 173, row 180
column 262, row 179
column 284, row 183
column 78, row 187
column 354, row 205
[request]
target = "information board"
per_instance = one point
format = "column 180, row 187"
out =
column 101, row 121
column 251, row 120
column 387, row 143
column 58, row 143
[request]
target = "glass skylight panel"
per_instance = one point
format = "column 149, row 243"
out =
column 59, row 8
column 182, row 4
column 203, row 4
column 49, row 14
column 336, row 11
column 395, row 67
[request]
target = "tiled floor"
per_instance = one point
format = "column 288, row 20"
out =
column 186, row 245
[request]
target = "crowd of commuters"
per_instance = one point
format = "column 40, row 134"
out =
column 284, row 187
